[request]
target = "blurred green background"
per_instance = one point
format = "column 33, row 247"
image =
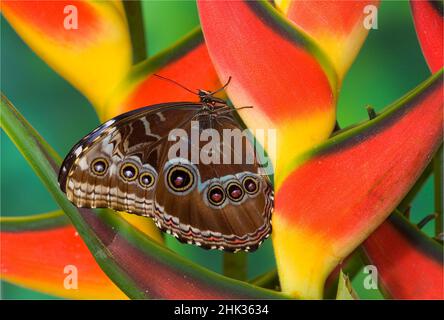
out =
column 389, row 64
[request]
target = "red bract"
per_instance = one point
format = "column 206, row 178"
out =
column 187, row 63
column 409, row 264
column 428, row 16
column 337, row 26
column 322, row 214
column 93, row 60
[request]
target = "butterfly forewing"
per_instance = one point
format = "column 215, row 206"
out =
column 109, row 166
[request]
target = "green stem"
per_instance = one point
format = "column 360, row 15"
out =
column 134, row 14
column 424, row 221
column 235, row 265
column 437, row 169
column 269, row 280
column 371, row 112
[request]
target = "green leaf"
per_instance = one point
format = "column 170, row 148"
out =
column 235, row 265
column 34, row 222
column 269, row 280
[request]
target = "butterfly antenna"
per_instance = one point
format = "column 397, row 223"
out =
column 223, row 87
column 229, row 109
column 176, row 83
column 245, row 107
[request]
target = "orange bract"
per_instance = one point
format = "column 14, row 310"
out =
column 37, row 259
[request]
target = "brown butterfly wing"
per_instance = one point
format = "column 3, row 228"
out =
column 109, row 166
column 192, row 216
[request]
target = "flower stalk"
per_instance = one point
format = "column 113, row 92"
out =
column 437, row 169
column 134, row 14
column 235, row 265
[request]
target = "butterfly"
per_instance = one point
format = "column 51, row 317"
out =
column 132, row 163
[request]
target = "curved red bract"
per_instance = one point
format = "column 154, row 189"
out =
column 429, row 28
column 337, row 26
column 269, row 70
column 336, row 197
column 193, row 70
column 37, row 259
column 376, row 159
column 409, row 265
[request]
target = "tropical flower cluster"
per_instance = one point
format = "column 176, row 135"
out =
column 336, row 190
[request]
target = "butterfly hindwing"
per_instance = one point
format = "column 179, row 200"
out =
column 213, row 208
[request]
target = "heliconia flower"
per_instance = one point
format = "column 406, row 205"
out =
column 187, row 63
column 87, row 42
column 338, row 193
column 428, row 17
column 409, row 264
column 288, row 64
column 338, row 27
column 276, row 69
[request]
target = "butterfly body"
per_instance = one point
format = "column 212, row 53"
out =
column 197, row 193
